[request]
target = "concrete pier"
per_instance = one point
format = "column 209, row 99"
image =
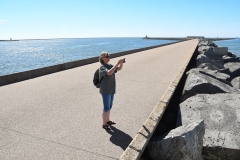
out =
column 58, row 116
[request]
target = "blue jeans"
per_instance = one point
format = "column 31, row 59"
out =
column 107, row 101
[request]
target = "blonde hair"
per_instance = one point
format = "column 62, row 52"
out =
column 103, row 54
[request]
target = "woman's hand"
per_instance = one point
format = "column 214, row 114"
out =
column 117, row 66
column 121, row 61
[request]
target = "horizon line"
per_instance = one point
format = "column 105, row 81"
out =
column 11, row 39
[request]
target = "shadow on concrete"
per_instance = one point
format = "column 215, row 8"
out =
column 119, row 138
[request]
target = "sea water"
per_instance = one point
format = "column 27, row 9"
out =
column 24, row 55
column 233, row 45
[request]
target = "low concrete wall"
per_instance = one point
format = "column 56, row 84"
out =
column 21, row 76
column 140, row 141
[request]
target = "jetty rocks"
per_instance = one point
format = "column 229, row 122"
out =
column 221, row 115
column 208, row 120
column 184, row 142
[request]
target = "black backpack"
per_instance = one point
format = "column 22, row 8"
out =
column 96, row 80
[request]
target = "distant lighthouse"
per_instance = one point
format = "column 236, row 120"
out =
column 146, row 37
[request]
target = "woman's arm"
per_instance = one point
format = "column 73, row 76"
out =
column 120, row 67
column 110, row 72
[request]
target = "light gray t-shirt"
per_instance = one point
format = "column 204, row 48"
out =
column 108, row 84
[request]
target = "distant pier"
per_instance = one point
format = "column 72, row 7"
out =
column 8, row 40
column 187, row 38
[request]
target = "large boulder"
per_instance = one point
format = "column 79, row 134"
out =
column 203, row 43
column 230, row 54
column 221, row 50
column 209, row 56
column 225, row 71
column 221, row 115
column 184, row 142
column 228, row 59
column 206, row 43
column 213, row 73
column 203, row 48
column 234, row 69
column 208, row 66
column 202, row 58
column 212, row 55
column 206, row 82
column 236, row 83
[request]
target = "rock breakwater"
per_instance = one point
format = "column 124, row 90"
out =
column 211, row 95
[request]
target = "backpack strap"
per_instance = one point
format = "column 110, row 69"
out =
column 101, row 79
column 102, row 76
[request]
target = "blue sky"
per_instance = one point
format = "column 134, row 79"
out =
column 38, row 19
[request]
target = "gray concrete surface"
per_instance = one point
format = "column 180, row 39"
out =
column 58, row 116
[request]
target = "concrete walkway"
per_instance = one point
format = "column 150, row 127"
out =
column 58, row 116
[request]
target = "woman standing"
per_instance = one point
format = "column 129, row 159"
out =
column 108, row 86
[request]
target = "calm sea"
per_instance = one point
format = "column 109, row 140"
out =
column 233, row 45
column 19, row 56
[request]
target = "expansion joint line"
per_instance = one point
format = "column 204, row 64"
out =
column 138, row 150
